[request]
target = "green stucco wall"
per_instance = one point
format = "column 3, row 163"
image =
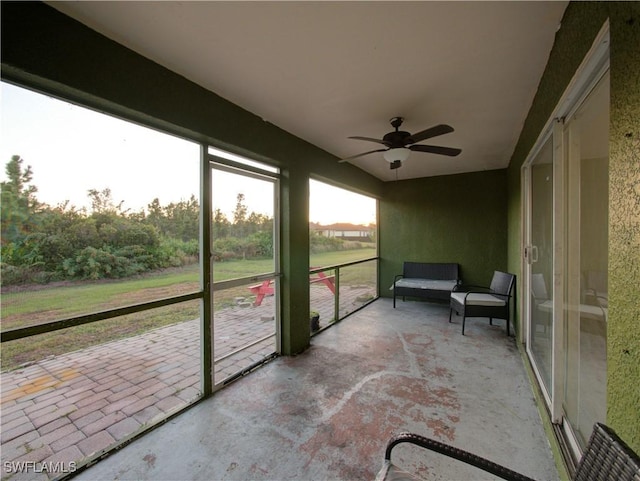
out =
column 47, row 51
column 580, row 25
column 623, row 334
column 456, row 218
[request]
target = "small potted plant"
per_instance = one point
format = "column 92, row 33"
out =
column 314, row 321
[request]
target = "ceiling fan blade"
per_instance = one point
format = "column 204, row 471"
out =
column 436, row 149
column 369, row 139
column 361, row 155
column 440, row 129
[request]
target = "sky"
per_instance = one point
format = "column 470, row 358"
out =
column 72, row 149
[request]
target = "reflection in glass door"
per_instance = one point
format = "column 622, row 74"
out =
column 566, row 263
column 245, row 266
column 539, row 253
column 585, row 316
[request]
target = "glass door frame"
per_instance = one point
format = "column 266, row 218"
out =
column 553, row 132
column 573, row 287
column 594, row 67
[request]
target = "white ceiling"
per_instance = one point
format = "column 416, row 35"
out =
column 328, row 70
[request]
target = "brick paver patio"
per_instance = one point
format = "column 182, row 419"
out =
column 71, row 407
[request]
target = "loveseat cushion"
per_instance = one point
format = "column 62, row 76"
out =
column 477, row 299
column 435, row 285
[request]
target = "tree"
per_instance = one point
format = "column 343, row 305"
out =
column 155, row 214
column 102, row 202
column 221, row 225
column 240, row 212
column 183, row 219
column 19, row 202
column 240, row 217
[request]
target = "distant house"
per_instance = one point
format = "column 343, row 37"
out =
column 345, row 231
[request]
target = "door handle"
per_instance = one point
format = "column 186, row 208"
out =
column 534, row 254
column 531, row 254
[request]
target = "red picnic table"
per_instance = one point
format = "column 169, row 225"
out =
column 266, row 287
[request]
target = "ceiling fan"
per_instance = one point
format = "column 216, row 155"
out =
column 399, row 143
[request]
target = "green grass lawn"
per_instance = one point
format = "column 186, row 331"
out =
column 62, row 300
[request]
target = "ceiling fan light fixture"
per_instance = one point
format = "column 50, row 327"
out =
column 393, row 155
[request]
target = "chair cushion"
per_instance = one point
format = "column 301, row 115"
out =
column 391, row 472
column 435, row 285
column 478, row 299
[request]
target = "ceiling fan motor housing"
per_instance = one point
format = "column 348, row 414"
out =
column 396, row 139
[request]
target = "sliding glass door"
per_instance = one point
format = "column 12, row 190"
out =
column 539, row 267
column 565, row 187
column 586, row 294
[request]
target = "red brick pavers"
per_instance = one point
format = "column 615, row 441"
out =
column 62, row 410
column 72, row 406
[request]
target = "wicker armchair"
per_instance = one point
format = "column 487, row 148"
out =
column 477, row 301
column 607, row 458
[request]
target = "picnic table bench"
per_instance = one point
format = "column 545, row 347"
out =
column 265, row 288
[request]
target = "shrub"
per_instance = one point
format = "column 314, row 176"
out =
column 175, row 252
column 15, row 275
column 54, row 249
column 83, row 233
column 92, row 263
column 318, row 244
column 226, row 248
column 128, row 233
column 261, row 243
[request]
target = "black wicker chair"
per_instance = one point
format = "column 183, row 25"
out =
column 607, row 458
column 477, row 301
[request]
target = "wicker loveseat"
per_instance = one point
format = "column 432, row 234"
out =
column 426, row 280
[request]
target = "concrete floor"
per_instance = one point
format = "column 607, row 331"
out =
column 327, row 413
column 71, row 407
